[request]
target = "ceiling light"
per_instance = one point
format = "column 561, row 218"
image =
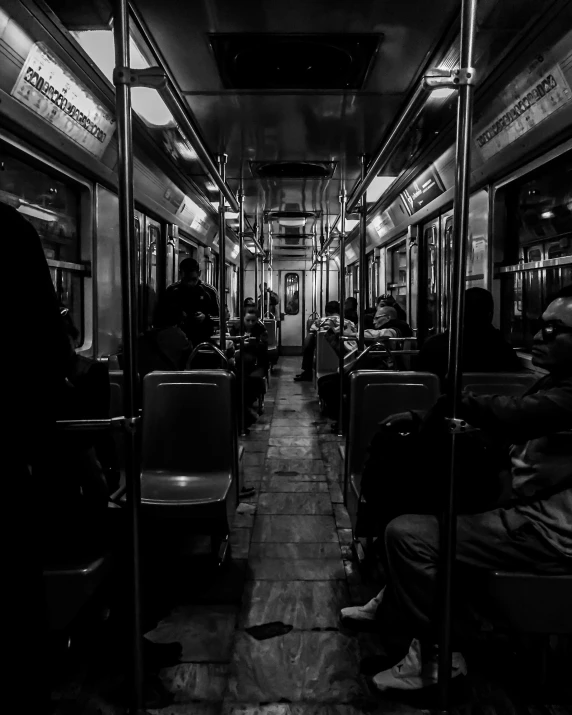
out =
column 378, row 187
column 293, row 222
column 442, row 92
column 99, row 45
column 547, row 214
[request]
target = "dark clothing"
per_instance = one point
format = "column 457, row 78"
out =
column 308, row 350
column 484, row 350
column 499, row 539
column 202, row 298
column 531, row 530
column 270, row 302
column 164, row 349
column 351, row 314
column 256, row 349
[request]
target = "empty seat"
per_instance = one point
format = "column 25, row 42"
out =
column 375, row 395
column 327, row 361
column 69, row 586
column 190, row 449
column 512, row 384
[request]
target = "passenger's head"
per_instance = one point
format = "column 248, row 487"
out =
column 249, row 301
column 189, row 271
column 385, row 299
column 251, row 317
column 479, row 308
column 226, row 312
column 552, row 347
column 383, row 315
column 332, row 307
column 350, row 303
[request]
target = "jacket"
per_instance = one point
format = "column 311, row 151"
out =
column 202, row 298
column 538, row 426
column 392, row 329
column 483, row 351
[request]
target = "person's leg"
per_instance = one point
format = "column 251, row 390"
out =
column 495, row 539
column 307, row 358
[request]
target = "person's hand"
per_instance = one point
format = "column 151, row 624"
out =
column 199, row 317
column 400, row 422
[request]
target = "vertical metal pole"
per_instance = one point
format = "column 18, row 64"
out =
column 129, row 324
column 321, row 284
column 342, row 299
column 460, row 232
column 256, row 278
column 328, row 276
column 222, row 253
column 362, row 261
column 241, row 303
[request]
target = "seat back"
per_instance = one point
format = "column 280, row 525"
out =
column 233, row 325
column 207, row 357
column 189, row 421
column 326, row 359
column 270, row 326
column 375, row 395
column 512, row 384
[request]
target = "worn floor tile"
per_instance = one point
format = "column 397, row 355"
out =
column 196, row 681
column 293, row 441
column 240, row 542
column 300, row 666
column 253, row 460
column 205, row 632
column 305, row 605
column 303, row 483
column 299, row 570
column 302, row 466
column 336, row 493
column 294, row 453
column 294, row 529
column 292, row 552
column 269, row 503
column 342, row 517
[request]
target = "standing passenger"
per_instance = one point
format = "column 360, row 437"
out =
column 199, row 302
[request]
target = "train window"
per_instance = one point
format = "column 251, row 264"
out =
column 52, row 207
column 397, row 285
column 292, row 294
column 431, row 261
column 539, row 234
column 153, row 238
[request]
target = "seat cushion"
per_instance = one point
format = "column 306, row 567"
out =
column 184, row 489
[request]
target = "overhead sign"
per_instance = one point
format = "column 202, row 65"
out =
column 49, row 89
column 531, row 98
column 383, row 223
column 426, row 187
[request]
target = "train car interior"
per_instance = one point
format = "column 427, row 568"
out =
column 298, row 427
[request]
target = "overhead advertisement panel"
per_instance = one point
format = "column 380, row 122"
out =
column 426, row 187
column 50, row 90
column 529, row 99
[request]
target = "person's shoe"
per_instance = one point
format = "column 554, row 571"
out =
column 412, row 673
column 360, row 614
column 304, row 377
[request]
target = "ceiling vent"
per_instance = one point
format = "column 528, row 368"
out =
column 293, row 169
column 276, row 61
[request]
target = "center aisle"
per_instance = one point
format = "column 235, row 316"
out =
column 289, row 654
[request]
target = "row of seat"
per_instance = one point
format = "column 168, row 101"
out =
column 375, row 395
column 189, row 470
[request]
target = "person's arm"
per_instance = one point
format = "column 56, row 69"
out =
column 214, row 303
column 518, row 419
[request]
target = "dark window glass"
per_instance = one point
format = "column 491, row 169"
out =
column 291, row 294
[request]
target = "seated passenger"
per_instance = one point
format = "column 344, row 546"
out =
column 389, row 300
column 256, row 342
column 309, row 347
column 249, row 302
column 165, row 347
column 387, row 325
column 528, row 530
column 369, row 319
column 484, row 348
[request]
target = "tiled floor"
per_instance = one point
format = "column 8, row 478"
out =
column 295, row 576
column 262, row 636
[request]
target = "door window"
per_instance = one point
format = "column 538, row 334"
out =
column 292, row 294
